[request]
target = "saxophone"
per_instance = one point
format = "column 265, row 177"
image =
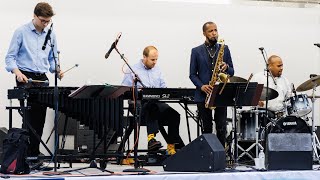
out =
column 217, row 75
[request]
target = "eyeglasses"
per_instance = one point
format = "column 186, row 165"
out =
column 44, row 21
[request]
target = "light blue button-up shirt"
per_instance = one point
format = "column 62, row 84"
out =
column 151, row 78
column 25, row 51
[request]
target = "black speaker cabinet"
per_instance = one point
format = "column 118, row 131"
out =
column 289, row 151
column 204, row 154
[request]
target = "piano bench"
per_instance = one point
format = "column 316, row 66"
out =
column 129, row 120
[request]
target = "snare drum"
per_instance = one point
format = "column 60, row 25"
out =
column 247, row 124
column 298, row 105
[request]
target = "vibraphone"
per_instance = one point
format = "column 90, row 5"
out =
column 99, row 107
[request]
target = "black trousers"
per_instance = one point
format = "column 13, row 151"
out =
column 220, row 118
column 36, row 115
column 156, row 114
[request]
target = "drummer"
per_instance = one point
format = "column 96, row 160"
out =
column 279, row 83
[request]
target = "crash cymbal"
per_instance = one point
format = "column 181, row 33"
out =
column 237, row 79
column 309, row 84
column 272, row 94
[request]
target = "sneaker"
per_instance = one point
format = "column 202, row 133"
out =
column 154, row 145
column 127, row 161
column 171, row 149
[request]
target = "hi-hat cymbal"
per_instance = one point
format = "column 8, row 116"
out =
column 309, row 84
column 271, row 94
column 237, row 79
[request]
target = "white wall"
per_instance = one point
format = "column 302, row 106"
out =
column 86, row 29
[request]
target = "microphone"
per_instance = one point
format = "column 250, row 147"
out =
column 47, row 38
column 317, row 44
column 114, row 44
column 261, row 48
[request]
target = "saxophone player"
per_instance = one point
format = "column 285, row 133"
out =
column 202, row 61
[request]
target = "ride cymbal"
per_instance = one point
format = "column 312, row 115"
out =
column 309, row 84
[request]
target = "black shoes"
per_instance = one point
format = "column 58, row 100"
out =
column 154, row 145
column 37, row 164
column 34, row 163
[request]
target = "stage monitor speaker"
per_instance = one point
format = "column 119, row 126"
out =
column 289, row 151
column 204, row 154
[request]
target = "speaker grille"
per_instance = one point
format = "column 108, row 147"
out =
column 290, row 142
column 289, row 151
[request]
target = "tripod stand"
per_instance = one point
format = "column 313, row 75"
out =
column 315, row 140
column 256, row 143
column 235, row 95
column 312, row 83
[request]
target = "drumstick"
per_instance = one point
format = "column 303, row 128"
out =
column 314, row 97
column 251, row 75
column 76, row 65
column 30, row 80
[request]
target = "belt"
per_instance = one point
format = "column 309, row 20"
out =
column 38, row 74
column 33, row 73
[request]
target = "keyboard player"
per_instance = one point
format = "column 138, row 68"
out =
column 153, row 113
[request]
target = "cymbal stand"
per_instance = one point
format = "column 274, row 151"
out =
column 256, row 143
column 315, row 140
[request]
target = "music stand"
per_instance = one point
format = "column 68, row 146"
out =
column 235, row 95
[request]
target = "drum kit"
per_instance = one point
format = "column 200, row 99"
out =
column 252, row 127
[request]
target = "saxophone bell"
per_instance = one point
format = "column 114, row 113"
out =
column 224, row 77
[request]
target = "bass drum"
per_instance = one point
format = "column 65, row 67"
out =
column 290, row 124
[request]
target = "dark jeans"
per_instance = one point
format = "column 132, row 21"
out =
column 220, row 118
column 156, row 114
column 36, row 115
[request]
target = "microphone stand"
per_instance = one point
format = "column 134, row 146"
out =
column 267, row 96
column 56, row 104
column 137, row 117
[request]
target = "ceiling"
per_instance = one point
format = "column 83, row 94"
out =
column 278, row 3
column 285, row 3
column 295, row 1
